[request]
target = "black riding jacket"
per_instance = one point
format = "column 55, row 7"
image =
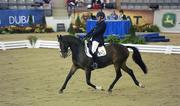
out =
column 97, row 32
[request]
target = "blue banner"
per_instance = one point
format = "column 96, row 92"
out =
column 20, row 17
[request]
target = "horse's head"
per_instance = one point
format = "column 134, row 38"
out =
column 63, row 46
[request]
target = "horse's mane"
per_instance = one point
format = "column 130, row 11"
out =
column 72, row 39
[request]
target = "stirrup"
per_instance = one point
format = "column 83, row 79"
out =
column 94, row 65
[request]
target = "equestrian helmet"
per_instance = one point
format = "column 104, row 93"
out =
column 101, row 14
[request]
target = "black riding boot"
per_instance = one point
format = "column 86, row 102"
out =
column 94, row 63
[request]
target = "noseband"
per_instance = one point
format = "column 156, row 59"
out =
column 64, row 51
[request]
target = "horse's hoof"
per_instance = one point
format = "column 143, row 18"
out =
column 141, row 85
column 102, row 89
column 99, row 88
column 60, row 91
column 109, row 91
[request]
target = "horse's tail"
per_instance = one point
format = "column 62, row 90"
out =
column 137, row 58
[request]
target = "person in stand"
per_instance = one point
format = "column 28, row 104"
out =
column 93, row 17
column 98, row 1
column 79, row 3
column 122, row 16
column 96, row 36
column 92, row 3
column 113, row 16
column 70, row 6
column 47, row 1
column 101, row 3
column 70, row 3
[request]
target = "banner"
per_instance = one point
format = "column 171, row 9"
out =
column 167, row 20
column 20, row 17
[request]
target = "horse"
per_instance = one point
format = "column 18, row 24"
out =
column 117, row 55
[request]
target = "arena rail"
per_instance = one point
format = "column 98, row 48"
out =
column 15, row 44
column 46, row 44
column 167, row 49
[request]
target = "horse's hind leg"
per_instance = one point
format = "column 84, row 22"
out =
column 71, row 72
column 130, row 72
column 118, row 75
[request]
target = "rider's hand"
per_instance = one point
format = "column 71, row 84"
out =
column 85, row 37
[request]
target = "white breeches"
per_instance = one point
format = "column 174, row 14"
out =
column 94, row 46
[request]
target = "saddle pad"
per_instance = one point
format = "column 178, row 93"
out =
column 101, row 51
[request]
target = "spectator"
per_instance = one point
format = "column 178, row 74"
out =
column 98, row 1
column 92, row 3
column 79, row 3
column 97, row 4
column 70, row 6
column 47, row 1
column 113, row 16
column 122, row 16
column 70, row 3
column 93, row 17
column 102, row 4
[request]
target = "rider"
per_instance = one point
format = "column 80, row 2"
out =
column 96, row 35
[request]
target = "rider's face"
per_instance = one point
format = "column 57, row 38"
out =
column 99, row 18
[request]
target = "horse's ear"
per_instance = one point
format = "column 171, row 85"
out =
column 59, row 37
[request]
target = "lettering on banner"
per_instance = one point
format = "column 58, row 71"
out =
column 20, row 20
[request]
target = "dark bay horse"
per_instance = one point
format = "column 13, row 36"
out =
column 116, row 54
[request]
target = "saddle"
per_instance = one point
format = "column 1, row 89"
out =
column 101, row 51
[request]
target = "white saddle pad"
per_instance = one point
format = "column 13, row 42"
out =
column 101, row 51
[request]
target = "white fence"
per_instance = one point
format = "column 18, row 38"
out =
column 15, row 45
column 169, row 49
column 46, row 44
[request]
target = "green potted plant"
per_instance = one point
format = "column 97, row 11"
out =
column 71, row 29
column 32, row 39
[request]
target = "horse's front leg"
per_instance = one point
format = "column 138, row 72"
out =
column 88, row 80
column 71, row 72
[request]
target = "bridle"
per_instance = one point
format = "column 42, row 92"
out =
column 64, row 51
